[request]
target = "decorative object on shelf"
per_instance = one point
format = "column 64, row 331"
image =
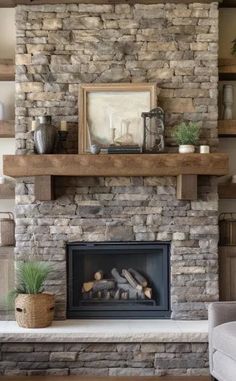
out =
column 33, row 125
column 110, row 114
column 1, row 111
column 2, row 179
column 62, row 138
column 95, row 149
column 227, row 227
column 7, row 229
column 228, row 100
column 34, row 308
column 122, row 149
column 186, row 134
column 153, row 123
column 233, row 179
column 63, row 126
column 45, row 136
column 204, row 149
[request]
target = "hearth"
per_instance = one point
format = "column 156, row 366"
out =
column 118, row 280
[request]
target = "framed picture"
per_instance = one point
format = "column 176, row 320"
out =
column 110, row 114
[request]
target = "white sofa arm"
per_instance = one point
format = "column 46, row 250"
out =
column 219, row 313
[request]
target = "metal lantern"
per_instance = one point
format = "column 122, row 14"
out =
column 153, row 122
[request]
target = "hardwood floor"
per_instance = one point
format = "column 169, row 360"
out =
column 80, row 378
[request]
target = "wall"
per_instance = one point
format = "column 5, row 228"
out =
column 175, row 46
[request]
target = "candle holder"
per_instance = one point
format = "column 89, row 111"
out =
column 62, row 138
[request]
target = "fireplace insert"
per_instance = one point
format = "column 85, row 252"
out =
column 118, row 280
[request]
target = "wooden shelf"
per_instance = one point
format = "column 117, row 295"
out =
column 227, row 69
column 227, row 190
column 7, row 191
column 7, row 70
column 227, row 128
column 13, row 3
column 7, row 128
column 116, row 165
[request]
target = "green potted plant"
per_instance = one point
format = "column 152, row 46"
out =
column 34, row 308
column 186, row 135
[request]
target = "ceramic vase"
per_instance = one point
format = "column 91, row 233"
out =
column 45, row 136
column 228, row 100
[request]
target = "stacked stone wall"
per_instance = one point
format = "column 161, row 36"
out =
column 173, row 45
column 61, row 46
column 62, row 359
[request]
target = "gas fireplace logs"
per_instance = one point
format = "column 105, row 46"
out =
column 130, row 284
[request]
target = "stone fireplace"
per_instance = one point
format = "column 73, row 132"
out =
column 173, row 45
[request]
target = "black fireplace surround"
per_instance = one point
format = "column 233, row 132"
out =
column 108, row 297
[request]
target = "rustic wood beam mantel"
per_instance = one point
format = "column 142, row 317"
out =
column 116, row 165
column 185, row 166
column 13, row 3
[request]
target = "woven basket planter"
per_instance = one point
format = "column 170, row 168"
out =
column 34, row 311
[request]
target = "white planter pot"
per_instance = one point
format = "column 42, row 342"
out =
column 188, row 148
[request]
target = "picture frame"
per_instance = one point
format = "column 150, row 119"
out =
column 110, row 113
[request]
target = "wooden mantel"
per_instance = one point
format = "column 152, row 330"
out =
column 185, row 166
column 116, row 165
column 13, row 3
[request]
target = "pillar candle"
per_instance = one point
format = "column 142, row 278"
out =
column 63, row 125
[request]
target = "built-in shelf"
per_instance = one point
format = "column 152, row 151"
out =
column 7, row 70
column 185, row 166
column 7, row 128
column 227, row 69
column 228, row 4
column 227, row 128
column 7, row 191
column 227, row 190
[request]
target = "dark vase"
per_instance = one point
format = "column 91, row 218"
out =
column 45, row 136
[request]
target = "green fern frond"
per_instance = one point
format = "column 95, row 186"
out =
column 30, row 278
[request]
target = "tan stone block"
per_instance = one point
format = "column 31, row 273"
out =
column 23, row 59
column 29, row 87
column 52, row 24
column 164, row 73
column 37, row 48
column 122, row 8
column 199, row 46
column 177, row 105
column 94, row 8
column 162, row 46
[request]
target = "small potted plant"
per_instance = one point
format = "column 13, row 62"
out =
column 34, row 308
column 186, row 135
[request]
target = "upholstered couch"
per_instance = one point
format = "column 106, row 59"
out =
column 222, row 340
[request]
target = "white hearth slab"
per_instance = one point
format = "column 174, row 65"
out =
column 95, row 331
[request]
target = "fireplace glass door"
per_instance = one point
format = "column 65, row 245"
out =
column 118, row 280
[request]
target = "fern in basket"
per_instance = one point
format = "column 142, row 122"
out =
column 30, row 278
column 186, row 133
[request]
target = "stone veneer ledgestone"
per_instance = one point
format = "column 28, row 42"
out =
column 174, row 45
column 103, row 359
column 116, row 209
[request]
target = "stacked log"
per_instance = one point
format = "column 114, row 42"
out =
column 129, row 284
